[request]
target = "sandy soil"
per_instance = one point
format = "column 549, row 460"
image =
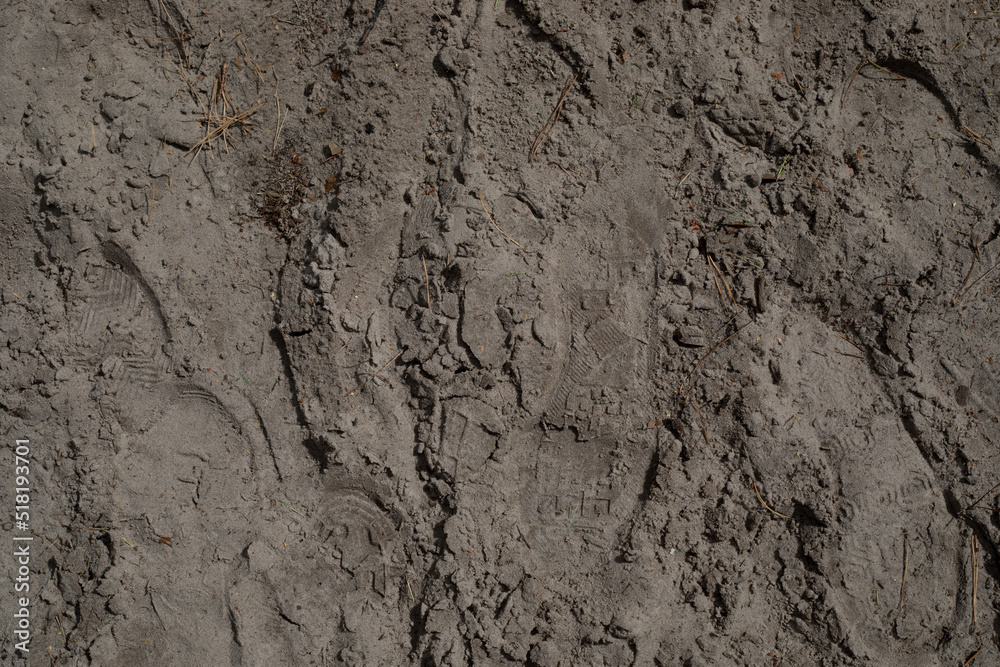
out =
column 546, row 333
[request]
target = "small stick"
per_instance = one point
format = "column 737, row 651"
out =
column 278, row 125
column 782, row 170
column 379, row 4
column 906, row 563
column 975, row 575
column 279, row 122
column 976, row 282
column 976, row 501
column 976, row 137
column 292, row 508
column 552, row 120
column 819, row 184
column 733, row 298
column 704, row 430
column 151, row 202
column 849, row 341
column 194, row 92
column 753, row 485
column 565, row 170
column 262, row 293
column 971, row 658
column 724, row 340
column 412, row 597
column 887, row 71
column 223, row 125
column 850, row 83
column 967, row 276
column 490, row 216
column 718, row 288
column 388, row 364
column 680, row 183
column 177, row 34
column 249, row 58
column 427, row 281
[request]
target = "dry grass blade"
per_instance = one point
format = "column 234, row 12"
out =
column 715, row 268
column 178, row 36
column 427, row 281
column 565, row 170
column 887, row 71
column 975, row 137
column 906, row 563
column 724, row 341
column 861, row 349
column 194, row 93
column 977, row 281
column 975, row 575
column 152, row 200
column 552, row 119
column 851, row 82
column 753, row 485
column 222, row 126
column 247, row 57
column 977, row 500
column 389, row 363
column 489, row 214
column 704, row 429
column 968, row 275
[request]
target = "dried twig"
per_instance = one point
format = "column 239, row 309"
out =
column 724, row 341
column 704, row 429
column 379, row 4
column 906, row 563
column 178, row 36
column 390, row 363
column 552, row 119
column 222, row 126
column 887, row 71
column 851, row 82
column 715, row 268
column 152, row 200
column 861, row 349
column 427, row 281
column 976, row 501
column 977, row 281
column 489, row 214
column 975, row 137
column 975, row 575
column 249, row 58
column 194, row 93
column 753, row 485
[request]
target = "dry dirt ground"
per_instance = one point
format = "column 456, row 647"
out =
column 544, row 332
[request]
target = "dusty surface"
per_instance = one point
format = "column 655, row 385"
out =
column 295, row 398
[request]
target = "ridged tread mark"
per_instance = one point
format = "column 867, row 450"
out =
column 926, row 78
column 603, row 337
column 115, row 254
column 198, row 394
column 115, row 298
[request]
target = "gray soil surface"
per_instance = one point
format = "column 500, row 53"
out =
column 543, row 332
